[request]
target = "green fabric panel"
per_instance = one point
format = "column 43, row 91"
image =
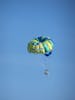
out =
column 46, row 47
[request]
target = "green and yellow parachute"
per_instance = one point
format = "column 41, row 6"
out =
column 41, row 45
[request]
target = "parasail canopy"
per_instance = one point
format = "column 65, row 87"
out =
column 40, row 45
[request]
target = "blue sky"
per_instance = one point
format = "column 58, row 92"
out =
column 21, row 73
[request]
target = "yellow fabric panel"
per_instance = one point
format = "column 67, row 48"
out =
column 34, row 40
column 51, row 43
column 40, row 45
column 37, row 48
column 41, row 48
